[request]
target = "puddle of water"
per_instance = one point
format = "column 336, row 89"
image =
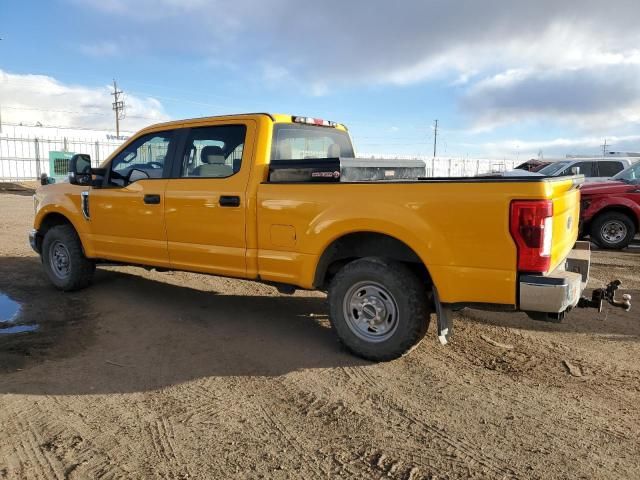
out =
column 18, row 329
column 9, row 309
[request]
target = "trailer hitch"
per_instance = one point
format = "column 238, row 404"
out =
column 608, row 294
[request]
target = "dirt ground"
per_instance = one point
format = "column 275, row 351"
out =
column 176, row 375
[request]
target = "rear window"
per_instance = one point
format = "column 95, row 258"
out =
column 299, row 142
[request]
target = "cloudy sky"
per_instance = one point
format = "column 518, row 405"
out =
column 504, row 78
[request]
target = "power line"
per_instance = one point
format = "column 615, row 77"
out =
column 52, row 110
column 60, row 127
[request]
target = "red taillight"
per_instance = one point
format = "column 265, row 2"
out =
column 531, row 229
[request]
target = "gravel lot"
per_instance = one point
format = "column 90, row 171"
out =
column 177, row 375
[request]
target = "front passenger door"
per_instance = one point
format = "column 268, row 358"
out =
column 127, row 211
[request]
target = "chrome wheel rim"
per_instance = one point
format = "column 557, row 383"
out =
column 371, row 311
column 59, row 260
column 613, row 231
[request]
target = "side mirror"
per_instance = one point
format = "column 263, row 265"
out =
column 575, row 170
column 80, row 169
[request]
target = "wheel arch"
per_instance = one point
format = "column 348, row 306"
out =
column 354, row 245
column 618, row 208
column 50, row 220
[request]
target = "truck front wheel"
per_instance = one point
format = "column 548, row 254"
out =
column 612, row 230
column 378, row 308
column 64, row 261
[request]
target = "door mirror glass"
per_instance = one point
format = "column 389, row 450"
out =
column 80, row 169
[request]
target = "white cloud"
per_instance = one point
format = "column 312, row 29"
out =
column 594, row 97
column 317, row 46
column 29, row 99
column 556, row 147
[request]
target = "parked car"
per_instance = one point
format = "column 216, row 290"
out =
column 610, row 211
column 593, row 169
column 200, row 195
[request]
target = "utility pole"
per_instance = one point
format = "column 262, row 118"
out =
column 435, row 144
column 604, row 148
column 435, row 138
column 118, row 106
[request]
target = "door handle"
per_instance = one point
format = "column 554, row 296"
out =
column 152, row 199
column 229, row 201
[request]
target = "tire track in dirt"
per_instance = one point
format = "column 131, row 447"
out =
column 70, row 446
column 271, row 418
column 330, row 411
column 163, row 440
column 30, row 446
column 548, row 369
column 460, row 447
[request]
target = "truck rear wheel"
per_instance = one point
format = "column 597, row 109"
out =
column 64, row 261
column 612, row 230
column 379, row 309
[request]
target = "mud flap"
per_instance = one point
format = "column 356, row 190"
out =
column 445, row 319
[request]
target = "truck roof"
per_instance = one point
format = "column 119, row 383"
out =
column 275, row 117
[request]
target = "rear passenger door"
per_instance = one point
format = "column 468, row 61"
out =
column 206, row 198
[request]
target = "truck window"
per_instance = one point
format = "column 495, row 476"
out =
column 299, row 142
column 609, row 168
column 586, row 169
column 142, row 159
column 629, row 175
column 553, row 168
column 213, row 152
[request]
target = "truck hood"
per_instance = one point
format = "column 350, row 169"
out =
column 604, row 188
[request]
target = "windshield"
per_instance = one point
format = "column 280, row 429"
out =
column 631, row 174
column 553, row 168
column 299, row 142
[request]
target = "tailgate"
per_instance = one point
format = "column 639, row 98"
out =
column 566, row 213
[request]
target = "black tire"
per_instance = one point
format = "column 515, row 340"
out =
column 398, row 287
column 606, row 237
column 62, row 242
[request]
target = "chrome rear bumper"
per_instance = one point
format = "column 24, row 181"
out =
column 561, row 289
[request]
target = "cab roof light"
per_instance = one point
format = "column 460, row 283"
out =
column 314, row 121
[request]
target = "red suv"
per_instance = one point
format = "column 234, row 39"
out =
column 610, row 211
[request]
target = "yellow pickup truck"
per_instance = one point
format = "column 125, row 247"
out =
column 201, row 195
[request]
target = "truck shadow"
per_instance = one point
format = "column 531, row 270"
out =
column 129, row 334
column 612, row 324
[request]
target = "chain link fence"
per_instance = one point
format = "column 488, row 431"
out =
column 23, row 158
column 26, row 158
